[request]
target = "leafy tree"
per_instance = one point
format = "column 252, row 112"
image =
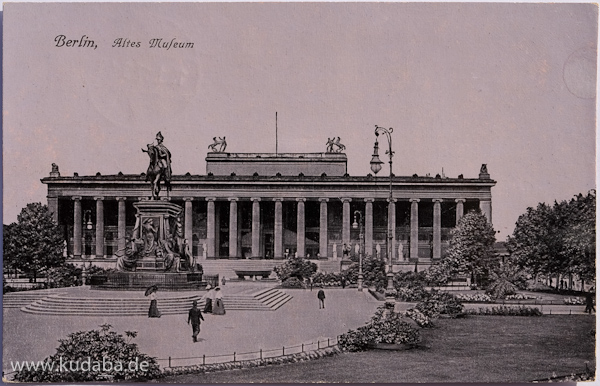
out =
column 34, row 243
column 297, row 267
column 558, row 239
column 96, row 355
column 471, row 248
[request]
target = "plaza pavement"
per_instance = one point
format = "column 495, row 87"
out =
column 33, row 337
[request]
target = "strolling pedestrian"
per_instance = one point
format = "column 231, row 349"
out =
column 218, row 307
column 208, row 299
column 153, row 311
column 589, row 302
column 321, row 296
column 194, row 316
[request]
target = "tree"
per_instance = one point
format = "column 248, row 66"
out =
column 558, row 239
column 34, row 243
column 471, row 248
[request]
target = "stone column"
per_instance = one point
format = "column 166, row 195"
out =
column 323, row 239
column 255, row 227
column 53, row 207
column 486, row 208
column 188, row 221
column 210, row 226
column 233, row 227
column 369, row 226
column 346, row 221
column 300, row 228
column 121, row 224
column 460, row 209
column 278, row 232
column 414, row 228
column 99, row 227
column 77, row 231
column 437, row 228
column 392, row 226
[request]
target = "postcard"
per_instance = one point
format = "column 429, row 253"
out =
column 299, row 192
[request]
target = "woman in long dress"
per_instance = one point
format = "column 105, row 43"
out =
column 153, row 312
column 218, row 307
column 208, row 299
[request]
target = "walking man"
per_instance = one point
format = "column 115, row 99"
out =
column 195, row 316
column 321, row 296
column 589, row 302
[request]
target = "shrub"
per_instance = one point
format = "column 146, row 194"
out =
column 295, row 267
column 292, row 282
column 384, row 327
column 409, row 286
column 325, row 279
column 67, row 275
column 507, row 311
column 501, row 288
column 95, row 347
column 440, row 303
column 373, row 273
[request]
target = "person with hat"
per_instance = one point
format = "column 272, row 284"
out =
column 194, row 316
column 208, row 299
column 219, row 307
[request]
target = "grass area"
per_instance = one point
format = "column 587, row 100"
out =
column 474, row 349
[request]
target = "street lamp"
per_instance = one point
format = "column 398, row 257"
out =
column 361, row 247
column 390, row 292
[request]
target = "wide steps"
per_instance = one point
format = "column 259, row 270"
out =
column 57, row 304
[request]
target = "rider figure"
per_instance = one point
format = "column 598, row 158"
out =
column 164, row 157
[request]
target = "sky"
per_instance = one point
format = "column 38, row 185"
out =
column 462, row 84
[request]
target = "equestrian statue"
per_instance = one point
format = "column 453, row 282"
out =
column 159, row 167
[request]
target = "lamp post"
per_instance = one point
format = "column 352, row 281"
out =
column 361, row 247
column 390, row 291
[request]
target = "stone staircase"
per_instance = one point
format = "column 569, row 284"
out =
column 268, row 299
column 24, row 298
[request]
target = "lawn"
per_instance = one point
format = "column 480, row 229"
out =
column 473, row 349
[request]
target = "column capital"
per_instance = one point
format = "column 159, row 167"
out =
column 369, row 199
column 99, row 198
column 120, row 198
column 76, row 198
column 301, row 199
column 323, row 199
column 255, row 199
column 278, row 199
column 393, row 200
column 232, row 199
column 460, row 200
column 437, row 200
column 414, row 200
column 188, row 199
column 213, row 199
column 487, row 199
column 346, row 199
column 143, row 199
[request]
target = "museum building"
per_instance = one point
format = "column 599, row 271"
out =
column 272, row 206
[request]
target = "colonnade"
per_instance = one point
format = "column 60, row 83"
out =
column 211, row 224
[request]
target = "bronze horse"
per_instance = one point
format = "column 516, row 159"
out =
column 155, row 173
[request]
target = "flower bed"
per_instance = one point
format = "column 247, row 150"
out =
column 474, row 298
column 292, row 358
column 574, row 301
column 519, row 297
column 506, row 311
column 384, row 327
column 420, row 318
column 439, row 303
